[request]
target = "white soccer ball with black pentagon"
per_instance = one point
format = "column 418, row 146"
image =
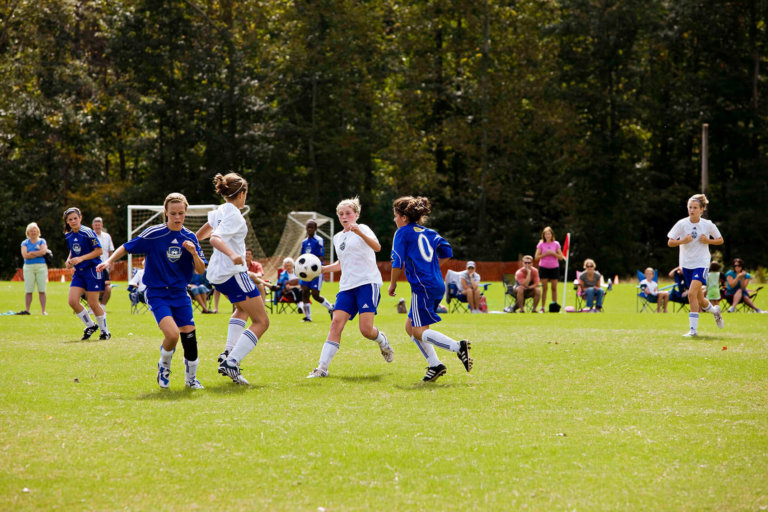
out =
column 308, row 267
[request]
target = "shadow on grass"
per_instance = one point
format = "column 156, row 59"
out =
column 172, row 395
column 361, row 378
column 427, row 386
column 92, row 340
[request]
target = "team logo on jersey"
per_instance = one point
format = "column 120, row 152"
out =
column 76, row 247
column 418, row 230
column 173, row 254
column 342, row 246
column 174, row 241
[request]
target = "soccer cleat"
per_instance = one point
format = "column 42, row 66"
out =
column 317, row 372
column 718, row 316
column 105, row 335
column 223, row 356
column 386, row 350
column 88, row 331
column 434, row 372
column 463, row 354
column 194, row 384
column 230, row 369
column 163, row 375
column 306, row 319
column 690, row 334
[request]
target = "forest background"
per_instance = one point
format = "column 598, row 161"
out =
column 584, row 115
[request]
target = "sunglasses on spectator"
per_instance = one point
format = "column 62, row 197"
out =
column 527, row 262
column 589, row 266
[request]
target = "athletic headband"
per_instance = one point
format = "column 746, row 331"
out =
column 238, row 190
column 72, row 210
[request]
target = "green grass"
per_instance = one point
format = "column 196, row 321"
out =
column 561, row 412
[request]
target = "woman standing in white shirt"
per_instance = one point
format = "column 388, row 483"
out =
column 359, row 286
column 227, row 271
column 694, row 235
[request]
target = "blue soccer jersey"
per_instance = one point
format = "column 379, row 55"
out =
column 417, row 250
column 80, row 244
column 168, row 264
column 314, row 245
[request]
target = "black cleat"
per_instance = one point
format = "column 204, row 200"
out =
column 223, row 357
column 463, row 354
column 88, row 331
column 105, row 335
column 434, row 373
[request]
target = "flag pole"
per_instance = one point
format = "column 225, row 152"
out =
column 567, row 254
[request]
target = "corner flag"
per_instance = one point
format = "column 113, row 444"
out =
column 566, row 249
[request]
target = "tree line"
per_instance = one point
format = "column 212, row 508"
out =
column 584, row 115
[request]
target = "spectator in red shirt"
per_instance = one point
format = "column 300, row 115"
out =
column 527, row 284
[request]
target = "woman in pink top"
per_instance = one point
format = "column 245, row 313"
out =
column 548, row 254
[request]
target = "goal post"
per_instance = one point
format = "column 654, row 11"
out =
column 293, row 234
column 140, row 217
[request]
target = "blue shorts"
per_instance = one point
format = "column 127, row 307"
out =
column 314, row 284
column 88, row 279
column 695, row 274
column 363, row 299
column 238, row 288
column 424, row 307
column 164, row 302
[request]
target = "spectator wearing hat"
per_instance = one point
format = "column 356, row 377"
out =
column 470, row 286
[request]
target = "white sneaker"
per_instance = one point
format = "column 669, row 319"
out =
column 317, row 372
column 163, row 375
column 194, row 384
column 386, row 350
column 718, row 316
column 690, row 334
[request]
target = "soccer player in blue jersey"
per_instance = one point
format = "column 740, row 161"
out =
column 420, row 251
column 84, row 252
column 173, row 254
column 227, row 271
column 313, row 244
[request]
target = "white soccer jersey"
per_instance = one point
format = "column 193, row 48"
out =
column 694, row 254
column 107, row 247
column 229, row 225
column 651, row 288
column 358, row 260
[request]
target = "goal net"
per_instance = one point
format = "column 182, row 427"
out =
column 293, row 234
column 140, row 217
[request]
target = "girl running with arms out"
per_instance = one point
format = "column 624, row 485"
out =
column 692, row 234
column 227, row 271
column 359, row 287
column 84, row 252
column 420, row 251
column 173, row 254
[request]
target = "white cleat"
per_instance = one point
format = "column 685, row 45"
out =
column 386, row 350
column 690, row 334
column 718, row 316
column 317, row 372
column 163, row 376
column 230, row 369
column 194, row 384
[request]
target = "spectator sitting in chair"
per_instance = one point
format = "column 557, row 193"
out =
column 288, row 282
column 136, row 286
column 527, row 285
column 736, row 283
column 199, row 288
column 680, row 292
column 650, row 289
column 470, row 287
column 256, row 273
column 590, row 283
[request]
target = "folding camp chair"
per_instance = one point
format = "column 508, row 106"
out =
column 510, row 297
column 678, row 295
column 283, row 303
column 642, row 301
column 742, row 306
column 457, row 302
column 581, row 295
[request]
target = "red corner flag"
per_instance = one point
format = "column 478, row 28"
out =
column 567, row 244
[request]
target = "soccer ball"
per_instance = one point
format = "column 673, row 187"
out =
column 308, row 267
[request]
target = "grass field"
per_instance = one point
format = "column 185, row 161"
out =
column 612, row 411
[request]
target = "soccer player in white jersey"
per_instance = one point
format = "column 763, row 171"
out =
column 359, row 287
column 173, row 254
column 694, row 235
column 420, row 251
column 84, row 252
column 227, row 271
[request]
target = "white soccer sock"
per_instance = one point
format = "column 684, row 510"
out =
column 428, row 351
column 708, row 309
column 308, row 310
column 85, row 318
column 693, row 321
column 190, row 369
column 440, row 339
column 245, row 344
column 234, row 330
column 301, row 306
column 329, row 350
column 381, row 340
column 165, row 357
column 102, row 321
column 327, row 305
